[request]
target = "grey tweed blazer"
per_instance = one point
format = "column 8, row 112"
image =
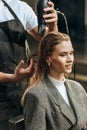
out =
column 45, row 109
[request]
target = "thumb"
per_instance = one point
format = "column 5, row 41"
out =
column 20, row 65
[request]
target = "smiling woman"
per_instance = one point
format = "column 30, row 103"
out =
column 52, row 102
column 61, row 60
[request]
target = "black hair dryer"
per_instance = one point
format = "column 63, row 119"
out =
column 40, row 5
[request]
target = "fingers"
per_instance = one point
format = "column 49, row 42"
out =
column 50, row 7
column 31, row 64
column 30, row 68
column 22, row 71
column 51, row 4
column 51, row 14
column 49, row 18
column 49, row 10
column 20, row 65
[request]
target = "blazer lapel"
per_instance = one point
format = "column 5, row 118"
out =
column 79, row 110
column 58, row 99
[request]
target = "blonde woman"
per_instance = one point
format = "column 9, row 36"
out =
column 51, row 101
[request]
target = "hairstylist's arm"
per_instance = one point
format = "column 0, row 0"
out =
column 19, row 74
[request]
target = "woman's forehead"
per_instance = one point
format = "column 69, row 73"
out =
column 65, row 45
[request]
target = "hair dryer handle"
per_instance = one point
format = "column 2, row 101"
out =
column 40, row 5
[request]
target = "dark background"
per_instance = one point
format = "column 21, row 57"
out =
column 74, row 12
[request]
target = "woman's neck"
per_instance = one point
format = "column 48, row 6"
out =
column 57, row 76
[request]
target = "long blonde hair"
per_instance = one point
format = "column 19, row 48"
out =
column 46, row 47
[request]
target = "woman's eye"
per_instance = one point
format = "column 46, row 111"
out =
column 63, row 54
column 71, row 53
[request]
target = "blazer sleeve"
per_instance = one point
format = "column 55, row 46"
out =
column 84, row 94
column 34, row 114
column 85, row 102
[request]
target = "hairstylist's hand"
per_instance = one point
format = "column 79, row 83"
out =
column 51, row 17
column 23, row 73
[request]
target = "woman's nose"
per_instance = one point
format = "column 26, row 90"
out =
column 70, row 58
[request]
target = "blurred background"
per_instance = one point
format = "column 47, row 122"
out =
column 75, row 13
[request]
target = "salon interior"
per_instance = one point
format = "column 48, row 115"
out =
column 73, row 20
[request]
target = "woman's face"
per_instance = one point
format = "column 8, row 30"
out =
column 62, row 58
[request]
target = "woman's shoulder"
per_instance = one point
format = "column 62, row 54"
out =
column 70, row 81
column 36, row 95
column 37, row 92
column 38, row 88
column 75, row 85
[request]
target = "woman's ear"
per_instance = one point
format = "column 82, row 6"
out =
column 48, row 60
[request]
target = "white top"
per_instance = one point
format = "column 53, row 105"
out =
column 23, row 11
column 61, row 88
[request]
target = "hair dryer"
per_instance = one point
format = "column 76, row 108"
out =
column 40, row 5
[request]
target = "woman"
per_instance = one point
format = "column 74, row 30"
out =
column 51, row 101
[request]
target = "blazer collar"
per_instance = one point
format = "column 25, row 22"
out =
column 58, row 99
